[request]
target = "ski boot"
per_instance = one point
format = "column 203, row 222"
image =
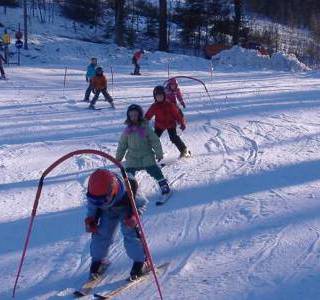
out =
column 98, row 268
column 164, row 186
column 185, row 153
column 139, row 269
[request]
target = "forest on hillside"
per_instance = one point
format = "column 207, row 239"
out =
column 191, row 25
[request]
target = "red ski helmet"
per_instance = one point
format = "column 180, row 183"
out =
column 103, row 185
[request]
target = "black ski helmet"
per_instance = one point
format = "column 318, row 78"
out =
column 99, row 71
column 159, row 90
column 136, row 107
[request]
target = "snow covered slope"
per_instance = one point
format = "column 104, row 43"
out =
column 243, row 222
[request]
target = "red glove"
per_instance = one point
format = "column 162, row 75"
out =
column 182, row 127
column 130, row 221
column 91, row 224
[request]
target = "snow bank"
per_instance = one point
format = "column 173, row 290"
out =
column 238, row 57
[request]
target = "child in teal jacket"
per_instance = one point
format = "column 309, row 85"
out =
column 141, row 147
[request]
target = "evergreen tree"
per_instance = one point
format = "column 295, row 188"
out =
column 163, row 26
column 9, row 3
column 85, row 11
column 119, row 22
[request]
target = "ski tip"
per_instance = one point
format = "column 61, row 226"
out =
column 79, row 294
column 98, row 296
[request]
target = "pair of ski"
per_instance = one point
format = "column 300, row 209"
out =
column 90, row 285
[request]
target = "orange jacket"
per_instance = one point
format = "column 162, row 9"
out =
column 99, row 82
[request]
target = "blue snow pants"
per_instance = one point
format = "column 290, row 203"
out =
column 108, row 226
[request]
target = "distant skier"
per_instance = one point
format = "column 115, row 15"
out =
column 91, row 72
column 142, row 147
column 2, row 60
column 108, row 205
column 135, row 61
column 99, row 85
column 166, row 118
column 6, row 39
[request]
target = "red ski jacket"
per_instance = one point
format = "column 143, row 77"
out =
column 166, row 115
column 172, row 96
column 137, row 55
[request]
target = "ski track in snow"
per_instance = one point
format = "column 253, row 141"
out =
column 242, row 222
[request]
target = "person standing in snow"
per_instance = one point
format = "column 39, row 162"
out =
column 108, row 205
column 167, row 117
column 6, row 39
column 2, row 60
column 135, row 61
column 142, row 147
column 173, row 93
column 91, row 72
column 99, row 85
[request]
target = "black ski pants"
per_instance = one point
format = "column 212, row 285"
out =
column 174, row 138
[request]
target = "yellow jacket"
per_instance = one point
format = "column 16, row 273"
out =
column 6, row 39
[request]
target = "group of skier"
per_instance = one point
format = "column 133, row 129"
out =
column 108, row 201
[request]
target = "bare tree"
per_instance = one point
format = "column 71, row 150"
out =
column 163, row 26
column 25, row 22
column 119, row 22
column 237, row 21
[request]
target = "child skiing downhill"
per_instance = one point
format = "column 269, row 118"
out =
column 173, row 93
column 166, row 118
column 99, row 84
column 91, row 72
column 135, row 61
column 108, row 205
column 142, row 147
column 2, row 60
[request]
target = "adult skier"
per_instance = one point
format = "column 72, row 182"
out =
column 135, row 61
column 99, row 85
column 6, row 39
column 108, row 206
column 167, row 117
column 91, row 72
column 141, row 147
column 2, row 60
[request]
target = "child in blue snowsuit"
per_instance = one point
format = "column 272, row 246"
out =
column 108, row 205
column 91, row 72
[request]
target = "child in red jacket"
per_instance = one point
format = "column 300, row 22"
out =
column 166, row 118
column 173, row 92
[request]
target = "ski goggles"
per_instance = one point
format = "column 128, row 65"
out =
column 99, row 200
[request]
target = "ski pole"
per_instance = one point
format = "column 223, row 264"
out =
column 37, row 199
column 141, row 232
column 64, row 80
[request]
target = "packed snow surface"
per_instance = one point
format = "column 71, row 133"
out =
column 243, row 222
column 241, row 58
